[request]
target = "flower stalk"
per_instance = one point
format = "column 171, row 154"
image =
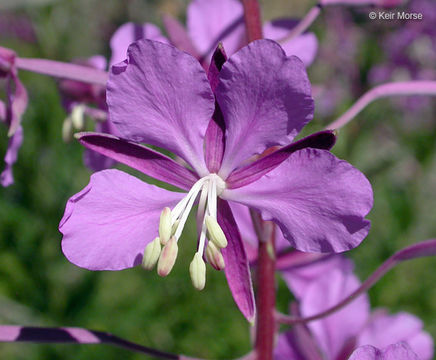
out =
column 304, row 24
column 266, row 291
column 63, row 70
column 388, row 89
column 252, row 20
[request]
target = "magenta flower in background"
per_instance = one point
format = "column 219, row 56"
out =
column 208, row 23
column 212, row 21
column 337, row 335
column 410, row 54
column 76, row 99
column 398, row 351
column 215, row 123
column 11, row 111
column 77, row 96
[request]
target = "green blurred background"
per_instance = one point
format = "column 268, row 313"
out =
column 38, row 286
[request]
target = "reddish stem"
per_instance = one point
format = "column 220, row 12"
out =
column 252, row 20
column 266, row 290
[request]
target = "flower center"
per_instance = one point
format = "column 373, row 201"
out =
column 172, row 223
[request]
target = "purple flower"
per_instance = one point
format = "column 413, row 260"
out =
column 212, row 21
column 77, row 96
column 129, row 33
column 77, row 99
column 261, row 98
column 410, row 54
column 12, row 111
column 337, row 335
column 398, row 351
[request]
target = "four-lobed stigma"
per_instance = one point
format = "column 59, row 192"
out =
column 163, row 249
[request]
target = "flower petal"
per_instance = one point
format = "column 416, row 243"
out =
column 161, row 96
column 129, row 33
column 400, row 351
column 213, row 21
column 333, row 332
column 107, row 225
column 255, row 170
column 242, row 217
column 18, row 102
column 287, row 347
column 237, row 269
column 318, row 200
column 179, row 37
column 303, row 46
column 14, row 144
column 383, row 330
column 139, row 157
column 265, row 98
column 300, row 278
column 98, row 62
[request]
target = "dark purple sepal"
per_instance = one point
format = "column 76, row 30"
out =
column 214, row 139
column 219, row 57
column 178, row 36
column 139, row 157
column 254, row 171
column 237, row 269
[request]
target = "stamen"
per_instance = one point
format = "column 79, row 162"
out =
column 185, row 214
column 168, row 257
column 67, row 130
column 151, row 254
column 78, row 116
column 165, row 225
column 201, row 213
column 181, row 206
column 202, row 239
column 211, row 198
column 216, row 233
column 197, row 270
column 172, row 223
column 214, row 256
column 174, row 227
column 202, row 203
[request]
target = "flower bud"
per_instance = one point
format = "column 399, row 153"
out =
column 167, row 257
column 78, row 116
column 214, row 256
column 165, row 229
column 215, row 232
column 151, row 254
column 197, row 270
